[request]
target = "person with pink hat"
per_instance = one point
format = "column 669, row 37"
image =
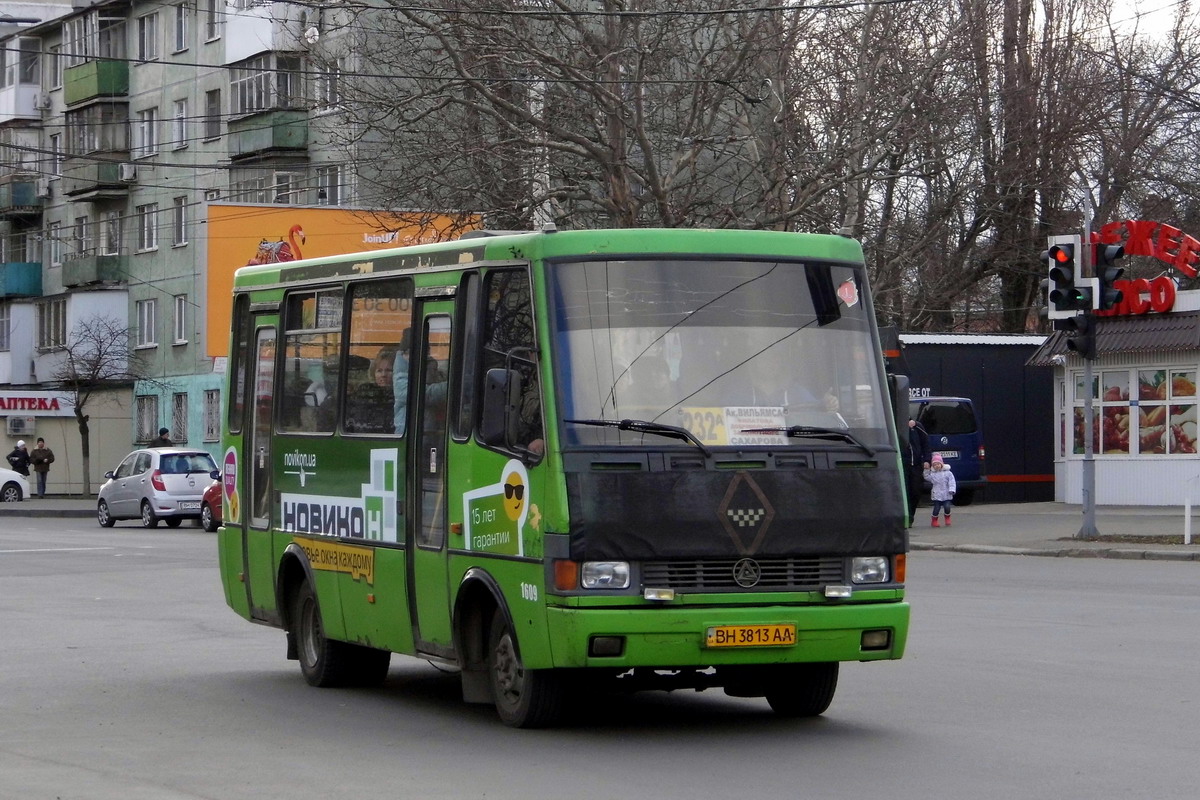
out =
column 942, row 487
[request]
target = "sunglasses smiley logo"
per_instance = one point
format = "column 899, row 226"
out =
column 514, row 496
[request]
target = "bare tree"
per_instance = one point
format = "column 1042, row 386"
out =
column 950, row 138
column 95, row 358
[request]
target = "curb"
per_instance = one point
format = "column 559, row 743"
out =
column 49, row 512
column 1064, row 552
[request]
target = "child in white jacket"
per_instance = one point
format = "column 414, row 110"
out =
column 942, row 487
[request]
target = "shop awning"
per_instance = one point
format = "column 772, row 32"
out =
column 1149, row 333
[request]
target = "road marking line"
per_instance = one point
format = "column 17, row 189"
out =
column 56, row 550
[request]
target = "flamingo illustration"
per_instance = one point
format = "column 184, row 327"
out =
column 275, row 252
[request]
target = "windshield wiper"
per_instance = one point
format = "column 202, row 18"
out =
column 645, row 426
column 811, row 432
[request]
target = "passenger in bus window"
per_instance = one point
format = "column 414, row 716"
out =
column 400, row 383
column 371, row 405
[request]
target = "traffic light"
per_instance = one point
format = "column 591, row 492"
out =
column 1108, row 273
column 1081, row 334
column 1066, row 292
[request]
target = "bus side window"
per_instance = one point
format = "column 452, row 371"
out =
column 312, row 361
column 377, row 381
column 510, row 343
column 462, row 408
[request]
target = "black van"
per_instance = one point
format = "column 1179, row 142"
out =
column 954, row 432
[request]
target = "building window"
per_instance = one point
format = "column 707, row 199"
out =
column 52, row 324
column 147, row 221
column 288, row 187
column 4, row 323
column 54, row 243
column 212, row 114
column 147, row 323
column 110, row 243
column 179, row 222
column 56, row 66
column 213, row 9
column 179, row 417
column 148, row 37
column 83, row 236
column 212, row 415
column 326, row 91
column 56, row 154
column 329, row 186
column 21, row 64
column 181, row 306
column 250, row 190
column 179, row 124
column 182, row 16
column 146, row 133
column 1162, row 420
column 147, row 416
column 271, row 80
column 93, row 35
column 99, row 128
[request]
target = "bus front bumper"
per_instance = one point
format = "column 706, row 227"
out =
column 666, row 636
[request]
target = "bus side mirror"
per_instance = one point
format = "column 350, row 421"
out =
column 898, row 389
column 501, row 395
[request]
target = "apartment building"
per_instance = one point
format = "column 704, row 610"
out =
column 120, row 124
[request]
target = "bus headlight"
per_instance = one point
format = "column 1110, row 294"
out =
column 869, row 569
column 604, row 575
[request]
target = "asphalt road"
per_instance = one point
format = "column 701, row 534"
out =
column 123, row 675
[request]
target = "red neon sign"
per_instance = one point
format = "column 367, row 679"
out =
column 1144, row 237
column 1161, row 298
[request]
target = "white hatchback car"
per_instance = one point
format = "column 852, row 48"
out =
column 164, row 483
column 13, row 486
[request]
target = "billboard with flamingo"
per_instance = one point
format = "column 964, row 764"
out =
column 241, row 235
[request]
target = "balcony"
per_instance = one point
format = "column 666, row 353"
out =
column 19, row 197
column 22, row 102
column 268, row 132
column 94, row 79
column 21, row 279
column 89, row 179
column 84, row 269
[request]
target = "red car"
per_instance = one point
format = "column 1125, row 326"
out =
column 210, row 507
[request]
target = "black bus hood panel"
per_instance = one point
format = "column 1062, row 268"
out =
column 734, row 514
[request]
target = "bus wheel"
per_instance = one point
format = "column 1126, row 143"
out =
column 173, row 522
column 149, row 518
column 525, row 698
column 802, row 690
column 326, row 662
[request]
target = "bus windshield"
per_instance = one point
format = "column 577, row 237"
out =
column 736, row 352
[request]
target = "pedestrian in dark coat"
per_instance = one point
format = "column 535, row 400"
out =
column 41, row 457
column 18, row 459
column 914, row 467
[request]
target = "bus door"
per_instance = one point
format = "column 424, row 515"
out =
column 429, row 591
column 255, row 514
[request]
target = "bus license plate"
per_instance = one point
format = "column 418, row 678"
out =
column 751, row 636
column 948, row 454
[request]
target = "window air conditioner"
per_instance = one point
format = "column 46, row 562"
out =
column 21, row 426
column 128, row 172
column 43, row 189
column 43, row 100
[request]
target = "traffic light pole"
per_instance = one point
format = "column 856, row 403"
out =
column 1088, row 529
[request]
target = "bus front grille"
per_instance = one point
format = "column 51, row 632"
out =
column 777, row 574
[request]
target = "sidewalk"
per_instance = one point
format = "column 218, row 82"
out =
column 1029, row 529
column 1051, row 529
